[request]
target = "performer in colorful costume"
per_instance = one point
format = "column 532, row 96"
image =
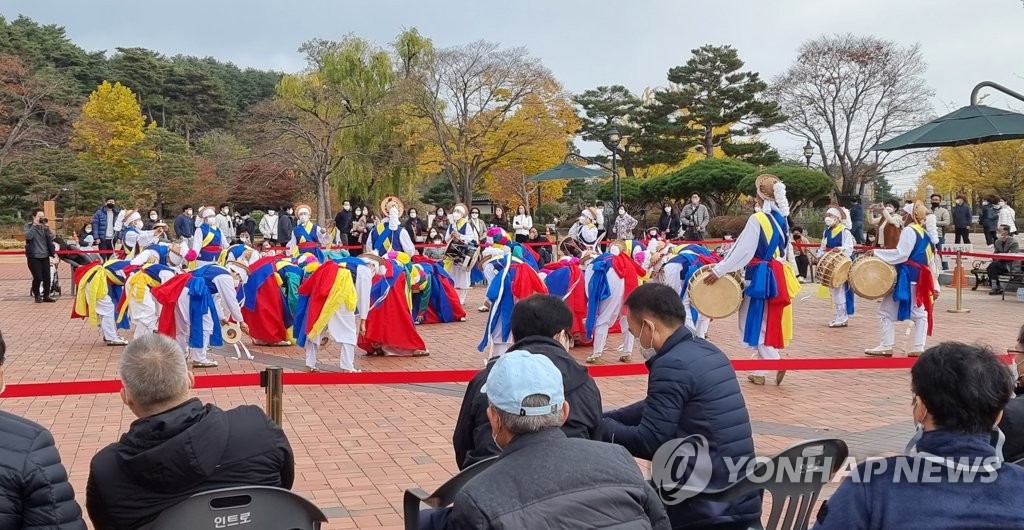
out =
column 173, row 255
column 609, row 279
column 307, row 236
column 837, row 238
column 680, row 264
column 265, row 307
column 135, row 238
column 141, row 306
column 389, row 234
column 460, row 229
column 766, row 320
column 208, row 240
column 389, row 327
column 332, row 302
column 100, row 297
column 514, row 280
column 197, row 303
column 436, row 301
column 585, row 229
column 564, row 278
column 916, row 284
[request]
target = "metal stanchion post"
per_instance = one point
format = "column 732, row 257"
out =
column 272, row 378
column 958, row 277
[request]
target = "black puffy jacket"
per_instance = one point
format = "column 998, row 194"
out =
column 472, row 438
column 166, row 458
column 691, row 390
column 34, row 488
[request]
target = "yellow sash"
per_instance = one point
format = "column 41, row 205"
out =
column 343, row 294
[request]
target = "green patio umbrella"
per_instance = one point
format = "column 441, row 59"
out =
column 973, row 124
column 567, row 171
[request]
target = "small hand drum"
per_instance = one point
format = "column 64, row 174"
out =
column 719, row 299
column 834, row 269
column 231, row 332
column 872, row 278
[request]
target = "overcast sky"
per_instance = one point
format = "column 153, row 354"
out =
column 585, row 43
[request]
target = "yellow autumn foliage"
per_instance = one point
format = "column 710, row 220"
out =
column 111, row 126
column 979, row 170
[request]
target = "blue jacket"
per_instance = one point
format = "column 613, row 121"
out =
column 99, row 222
column 857, row 214
column 962, row 216
column 184, row 226
column 691, row 390
column 936, row 502
column 989, row 217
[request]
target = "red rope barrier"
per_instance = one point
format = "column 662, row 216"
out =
column 110, row 386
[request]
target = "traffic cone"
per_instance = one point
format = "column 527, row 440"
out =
column 959, row 277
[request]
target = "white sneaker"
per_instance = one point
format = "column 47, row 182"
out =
column 116, row 342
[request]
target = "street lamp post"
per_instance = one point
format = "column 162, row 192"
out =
column 612, row 143
column 808, row 152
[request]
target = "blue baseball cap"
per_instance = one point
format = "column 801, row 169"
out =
column 518, row 374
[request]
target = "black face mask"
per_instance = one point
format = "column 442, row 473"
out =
column 110, row 206
column 935, row 205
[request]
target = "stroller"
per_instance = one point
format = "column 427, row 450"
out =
column 54, row 281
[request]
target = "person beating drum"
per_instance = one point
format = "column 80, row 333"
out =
column 838, row 238
column 916, row 287
column 766, row 319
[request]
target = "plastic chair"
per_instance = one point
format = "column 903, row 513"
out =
column 248, row 507
column 442, row 496
column 797, row 476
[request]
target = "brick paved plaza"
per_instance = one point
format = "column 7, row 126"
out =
column 359, row 447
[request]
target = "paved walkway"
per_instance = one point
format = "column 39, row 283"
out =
column 359, row 447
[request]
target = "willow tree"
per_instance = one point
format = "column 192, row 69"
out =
column 307, row 124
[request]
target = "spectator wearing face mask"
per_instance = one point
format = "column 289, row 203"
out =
column 185, row 224
column 694, row 218
column 959, row 393
column 416, row 227
column 803, row 262
column 889, row 224
column 989, row 218
column 285, row 224
column 268, row 226
column 668, row 224
column 544, row 250
column 963, row 217
column 434, row 252
column 1012, row 424
column 1007, row 216
column 691, row 390
column 226, row 222
column 343, row 223
column 477, row 223
column 439, row 221
column 624, row 224
column 522, row 223
column 103, row 224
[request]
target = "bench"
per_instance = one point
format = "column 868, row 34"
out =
column 1013, row 280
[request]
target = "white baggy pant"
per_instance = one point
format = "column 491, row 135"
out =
column 888, row 312
column 608, row 310
column 672, row 279
column 145, row 314
column 839, row 301
column 342, row 329
column 762, row 351
column 108, row 325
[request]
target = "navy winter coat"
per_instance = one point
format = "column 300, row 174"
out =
column 691, row 390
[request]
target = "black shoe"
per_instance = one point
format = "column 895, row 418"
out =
column 995, row 291
column 49, row 300
column 39, row 299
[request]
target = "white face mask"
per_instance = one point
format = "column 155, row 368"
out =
column 889, row 209
column 304, row 218
column 440, row 213
column 668, row 210
column 456, row 216
column 211, row 221
column 412, row 215
column 347, row 207
column 475, row 215
column 830, row 221
column 270, row 212
column 695, row 200
column 650, row 351
column 154, row 217
column 137, row 224
column 225, row 211
column 622, row 212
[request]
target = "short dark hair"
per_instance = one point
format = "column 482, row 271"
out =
column 893, row 202
column 3, row 349
column 1004, row 227
column 800, row 228
column 186, row 207
column 540, row 314
column 35, row 211
column 108, row 198
column 855, row 200
column 961, row 197
column 932, row 196
column 659, row 301
column 223, row 204
column 965, row 387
